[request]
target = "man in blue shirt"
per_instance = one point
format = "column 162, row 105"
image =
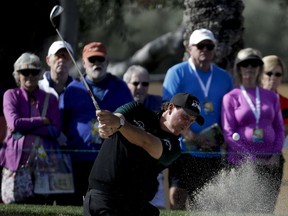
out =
column 208, row 82
column 80, row 124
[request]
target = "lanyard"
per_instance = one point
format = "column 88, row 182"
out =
column 204, row 88
column 256, row 111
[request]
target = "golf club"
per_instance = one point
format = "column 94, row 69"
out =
column 56, row 11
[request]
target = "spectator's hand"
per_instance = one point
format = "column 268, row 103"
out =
column 45, row 120
column 199, row 141
column 62, row 139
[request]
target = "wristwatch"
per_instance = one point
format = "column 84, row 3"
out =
column 122, row 122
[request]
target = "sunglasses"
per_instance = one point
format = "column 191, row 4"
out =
column 144, row 84
column 246, row 64
column 26, row 73
column 277, row 74
column 95, row 59
column 202, row 46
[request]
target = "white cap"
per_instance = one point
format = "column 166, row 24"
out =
column 57, row 45
column 201, row 34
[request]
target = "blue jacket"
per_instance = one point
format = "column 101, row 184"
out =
column 80, row 122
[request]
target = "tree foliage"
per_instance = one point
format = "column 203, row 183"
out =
column 110, row 14
column 224, row 18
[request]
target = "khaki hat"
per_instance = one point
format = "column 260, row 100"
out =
column 28, row 61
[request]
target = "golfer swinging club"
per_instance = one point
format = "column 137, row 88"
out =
column 138, row 145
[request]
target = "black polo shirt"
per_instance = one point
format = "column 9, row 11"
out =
column 124, row 169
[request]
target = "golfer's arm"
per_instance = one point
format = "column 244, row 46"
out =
column 143, row 139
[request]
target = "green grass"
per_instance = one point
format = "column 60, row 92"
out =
column 37, row 210
column 48, row 210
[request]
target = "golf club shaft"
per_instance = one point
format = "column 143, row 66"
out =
column 79, row 71
column 56, row 11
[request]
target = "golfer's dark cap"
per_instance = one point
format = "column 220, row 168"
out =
column 190, row 104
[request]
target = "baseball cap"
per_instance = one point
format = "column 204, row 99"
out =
column 190, row 104
column 94, row 49
column 57, row 45
column 201, row 34
column 27, row 61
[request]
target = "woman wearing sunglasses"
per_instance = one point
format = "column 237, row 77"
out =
column 23, row 108
column 272, row 77
column 254, row 113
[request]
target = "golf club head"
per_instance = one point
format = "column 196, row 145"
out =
column 55, row 12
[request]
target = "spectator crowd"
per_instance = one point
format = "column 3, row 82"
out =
column 118, row 153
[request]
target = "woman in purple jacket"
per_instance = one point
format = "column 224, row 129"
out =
column 22, row 109
column 253, row 129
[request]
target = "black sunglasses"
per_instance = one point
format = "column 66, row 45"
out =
column 27, row 72
column 277, row 74
column 95, row 59
column 202, row 46
column 145, row 84
column 252, row 63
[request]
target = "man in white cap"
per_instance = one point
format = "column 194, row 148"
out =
column 199, row 161
column 55, row 82
column 60, row 64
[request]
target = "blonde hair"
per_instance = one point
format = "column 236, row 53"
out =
column 271, row 61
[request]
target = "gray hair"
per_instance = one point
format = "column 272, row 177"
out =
column 137, row 69
column 27, row 61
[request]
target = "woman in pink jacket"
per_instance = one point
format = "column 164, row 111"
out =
column 22, row 109
column 253, row 130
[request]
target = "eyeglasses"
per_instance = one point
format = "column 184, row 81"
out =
column 144, row 84
column 246, row 64
column 202, row 46
column 26, row 73
column 277, row 74
column 95, row 59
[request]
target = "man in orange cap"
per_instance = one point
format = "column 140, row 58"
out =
column 80, row 124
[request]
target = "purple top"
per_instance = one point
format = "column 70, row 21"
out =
column 237, row 117
column 16, row 108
